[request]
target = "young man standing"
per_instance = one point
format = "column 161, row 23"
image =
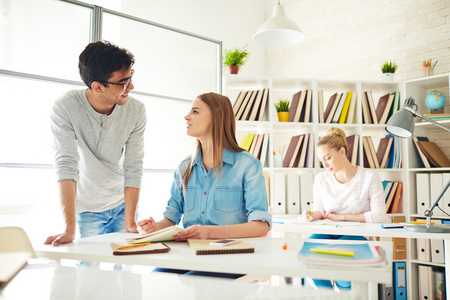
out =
column 98, row 136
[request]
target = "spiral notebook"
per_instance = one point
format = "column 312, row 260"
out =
column 202, row 247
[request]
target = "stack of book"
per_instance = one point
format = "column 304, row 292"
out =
column 300, row 108
column 393, row 195
column 256, row 145
column 340, row 108
column 430, row 154
column 300, row 152
column 437, row 117
column 343, row 255
column 251, row 105
column 380, row 158
column 387, row 105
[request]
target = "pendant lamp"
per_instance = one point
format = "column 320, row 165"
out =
column 279, row 31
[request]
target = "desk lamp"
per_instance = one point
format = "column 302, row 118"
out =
column 401, row 124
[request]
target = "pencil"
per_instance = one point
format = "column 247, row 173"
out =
column 135, row 245
column 310, row 219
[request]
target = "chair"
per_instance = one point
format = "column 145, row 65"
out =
column 15, row 239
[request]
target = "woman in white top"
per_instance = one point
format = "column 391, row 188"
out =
column 344, row 193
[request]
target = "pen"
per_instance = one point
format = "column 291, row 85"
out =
column 310, row 218
column 334, row 252
column 135, row 245
column 435, row 64
column 419, row 222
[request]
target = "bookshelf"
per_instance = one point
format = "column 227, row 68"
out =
column 418, row 89
column 281, row 132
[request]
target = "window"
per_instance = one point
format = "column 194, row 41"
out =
column 40, row 63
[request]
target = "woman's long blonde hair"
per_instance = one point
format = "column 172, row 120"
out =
column 334, row 139
column 223, row 132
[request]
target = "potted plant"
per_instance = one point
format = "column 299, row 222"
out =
column 388, row 69
column 235, row 58
column 282, row 107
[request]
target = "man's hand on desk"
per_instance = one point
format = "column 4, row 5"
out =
column 63, row 238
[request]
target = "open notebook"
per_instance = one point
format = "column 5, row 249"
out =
column 162, row 235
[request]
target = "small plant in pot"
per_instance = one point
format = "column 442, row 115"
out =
column 234, row 59
column 282, row 107
column 388, row 69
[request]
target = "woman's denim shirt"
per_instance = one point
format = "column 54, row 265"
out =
column 237, row 196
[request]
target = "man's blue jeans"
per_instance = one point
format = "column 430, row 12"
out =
column 96, row 223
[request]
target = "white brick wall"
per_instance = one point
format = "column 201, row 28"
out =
column 350, row 39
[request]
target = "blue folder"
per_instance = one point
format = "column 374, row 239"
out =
column 400, row 280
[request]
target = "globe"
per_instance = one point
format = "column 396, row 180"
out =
column 435, row 100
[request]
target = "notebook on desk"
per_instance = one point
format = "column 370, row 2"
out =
column 145, row 249
column 203, row 247
column 163, row 235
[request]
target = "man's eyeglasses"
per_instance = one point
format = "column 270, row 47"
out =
column 125, row 84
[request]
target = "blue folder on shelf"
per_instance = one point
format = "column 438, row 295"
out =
column 400, row 280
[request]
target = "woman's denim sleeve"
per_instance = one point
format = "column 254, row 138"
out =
column 255, row 195
column 174, row 209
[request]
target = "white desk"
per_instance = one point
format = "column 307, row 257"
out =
column 51, row 281
column 369, row 229
column 269, row 259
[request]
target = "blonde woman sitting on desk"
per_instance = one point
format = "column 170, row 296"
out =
column 344, row 192
column 220, row 190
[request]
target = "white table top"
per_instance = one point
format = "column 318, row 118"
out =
column 364, row 229
column 52, row 281
column 269, row 258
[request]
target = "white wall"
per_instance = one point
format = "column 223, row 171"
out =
column 350, row 39
column 231, row 21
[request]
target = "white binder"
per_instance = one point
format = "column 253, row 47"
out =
column 437, row 248
column 422, row 192
column 279, row 194
column 425, row 282
column 293, row 193
column 423, row 250
column 436, row 187
column 446, row 198
column 306, row 191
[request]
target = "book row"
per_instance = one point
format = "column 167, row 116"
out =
column 300, row 152
column 341, row 107
column 430, row 154
column 387, row 155
column 393, row 196
column 251, row 105
column 256, row 145
column 428, row 188
column 300, row 107
column 387, row 105
column 293, row 193
column 398, row 289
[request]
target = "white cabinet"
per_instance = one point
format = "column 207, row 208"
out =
column 281, row 132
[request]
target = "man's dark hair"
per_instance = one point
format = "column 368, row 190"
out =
column 100, row 59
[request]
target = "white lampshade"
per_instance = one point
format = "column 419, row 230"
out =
column 279, row 31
